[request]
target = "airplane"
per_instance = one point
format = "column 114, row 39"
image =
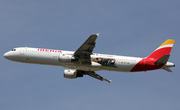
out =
column 84, row 62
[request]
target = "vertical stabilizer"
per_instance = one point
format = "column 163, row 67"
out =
column 163, row 49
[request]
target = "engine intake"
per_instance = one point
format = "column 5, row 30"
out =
column 72, row 74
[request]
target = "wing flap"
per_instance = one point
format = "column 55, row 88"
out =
column 94, row 75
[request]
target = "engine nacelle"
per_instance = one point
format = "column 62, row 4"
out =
column 72, row 74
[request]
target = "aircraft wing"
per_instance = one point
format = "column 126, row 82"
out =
column 94, row 75
column 82, row 55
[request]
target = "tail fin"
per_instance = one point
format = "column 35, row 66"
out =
column 163, row 51
column 157, row 59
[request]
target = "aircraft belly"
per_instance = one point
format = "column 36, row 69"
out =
column 85, row 67
column 126, row 66
column 121, row 67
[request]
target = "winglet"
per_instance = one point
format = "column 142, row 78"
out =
column 110, row 81
column 97, row 34
column 107, row 80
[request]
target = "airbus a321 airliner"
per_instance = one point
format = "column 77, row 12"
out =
column 84, row 62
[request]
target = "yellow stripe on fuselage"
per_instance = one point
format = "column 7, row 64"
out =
column 167, row 42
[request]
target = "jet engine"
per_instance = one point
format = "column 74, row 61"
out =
column 72, row 74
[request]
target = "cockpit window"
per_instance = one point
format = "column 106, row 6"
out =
column 13, row 49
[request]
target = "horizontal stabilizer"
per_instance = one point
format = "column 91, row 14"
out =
column 167, row 69
column 162, row 60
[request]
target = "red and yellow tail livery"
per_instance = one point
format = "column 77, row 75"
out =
column 157, row 59
column 163, row 49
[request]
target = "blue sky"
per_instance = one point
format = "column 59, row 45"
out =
column 128, row 27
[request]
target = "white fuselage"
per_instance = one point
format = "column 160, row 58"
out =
column 84, row 62
column 60, row 58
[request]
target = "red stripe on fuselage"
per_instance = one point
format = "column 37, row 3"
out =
column 145, row 64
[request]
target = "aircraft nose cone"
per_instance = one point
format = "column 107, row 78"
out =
column 6, row 55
